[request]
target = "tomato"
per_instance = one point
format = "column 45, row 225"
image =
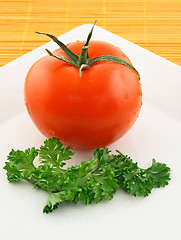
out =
column 88, row 111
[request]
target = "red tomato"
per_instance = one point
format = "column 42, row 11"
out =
column 88, row 111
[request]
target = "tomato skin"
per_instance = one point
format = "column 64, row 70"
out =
column 85, row 112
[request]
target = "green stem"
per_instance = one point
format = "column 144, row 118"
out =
column 83, row 58
column 83, row 61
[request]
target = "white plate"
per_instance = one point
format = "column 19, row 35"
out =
column 157, row 133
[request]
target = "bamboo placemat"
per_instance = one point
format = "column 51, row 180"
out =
column 152, row 24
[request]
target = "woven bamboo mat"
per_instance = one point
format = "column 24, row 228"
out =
column 152, row 24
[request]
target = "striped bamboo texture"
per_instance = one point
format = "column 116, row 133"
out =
column 152, row 24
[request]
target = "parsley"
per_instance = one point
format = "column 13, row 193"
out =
column 91, row 181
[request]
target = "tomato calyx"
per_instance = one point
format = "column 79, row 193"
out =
column 83, row 61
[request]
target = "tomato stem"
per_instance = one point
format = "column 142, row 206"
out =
column 83, row 61
column 83, row 58
column 83, row 66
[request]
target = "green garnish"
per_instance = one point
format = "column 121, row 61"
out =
column 91, row 181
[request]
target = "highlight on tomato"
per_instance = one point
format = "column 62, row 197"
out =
column 86, row 93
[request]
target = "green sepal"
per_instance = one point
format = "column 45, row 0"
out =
column 72, row 56
column 112, row 59
column 61, row 58
column 89, row 37
column 90, row 34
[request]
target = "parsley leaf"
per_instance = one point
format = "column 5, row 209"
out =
column 54, row 154
column 20, row 165
column 91, row 181
column 137, row 181
column 53, row 201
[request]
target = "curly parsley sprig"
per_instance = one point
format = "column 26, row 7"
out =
column 91, row 181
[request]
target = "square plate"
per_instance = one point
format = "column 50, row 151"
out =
column 156, row 134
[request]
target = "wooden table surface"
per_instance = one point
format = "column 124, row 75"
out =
column 152, row 24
